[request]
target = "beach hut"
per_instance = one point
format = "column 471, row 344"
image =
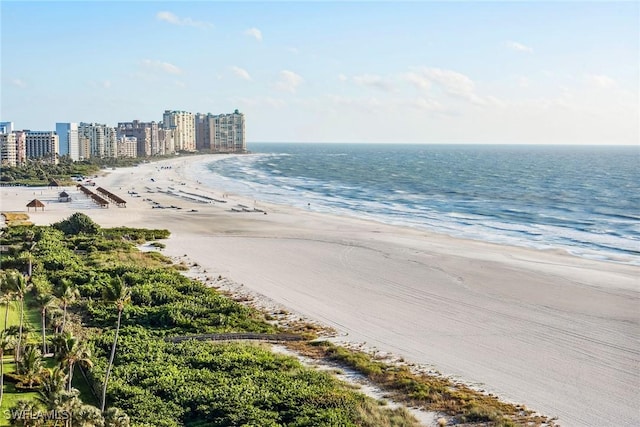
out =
column 64, row 197
column 35, row 203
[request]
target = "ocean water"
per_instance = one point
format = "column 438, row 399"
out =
column 585, row 200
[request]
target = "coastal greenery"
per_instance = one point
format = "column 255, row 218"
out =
column 34, row 173
column 113, row 312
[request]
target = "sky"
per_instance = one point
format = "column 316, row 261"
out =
column 314, row 71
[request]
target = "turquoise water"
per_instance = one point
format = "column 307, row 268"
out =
column 582, row 199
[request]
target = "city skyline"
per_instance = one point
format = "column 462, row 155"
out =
column 412, row 72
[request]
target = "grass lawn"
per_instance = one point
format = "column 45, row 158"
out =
column 32, row 320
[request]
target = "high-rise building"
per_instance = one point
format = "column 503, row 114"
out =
column 101, row 139
column 185, row 128
column 127, row 146
column 146, row 134
column 8, row 149
column 69, row 142
column 21, row 146
column 6, row 127
column 229, row 134
column 167, row 143
column 43, row 145
column 205, row 131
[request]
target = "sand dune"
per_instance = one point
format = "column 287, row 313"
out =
column 557, row 333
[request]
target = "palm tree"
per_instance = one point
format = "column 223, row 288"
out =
column 30, row 366
column 6, row 299
column 5, row 341
column 119, row 293
column 21, row 288
column 68, row 293
column 71, row 351
column 46, row 302
column 53, row 383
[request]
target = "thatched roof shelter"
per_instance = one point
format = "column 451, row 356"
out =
column 64, row 197
column 54, row 183
column 35, row 203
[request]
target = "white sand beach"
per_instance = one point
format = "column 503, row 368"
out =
column 558, row 333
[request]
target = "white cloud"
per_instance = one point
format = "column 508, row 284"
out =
column 372, row 80
column 289, row 81
column 422, row 82
column 294, row 50
column 241, row 72
column 601, row 81
column 255, row 33
column 342, row 77
column 176, row 20
column 19, row 83
column 162, row 66
column 518, row 47
column 451, row 82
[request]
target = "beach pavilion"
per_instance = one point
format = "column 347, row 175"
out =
column 35, row 203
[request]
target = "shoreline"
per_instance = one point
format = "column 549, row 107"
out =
column 556, row 332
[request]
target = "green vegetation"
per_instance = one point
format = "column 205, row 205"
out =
column 34, row 173
column 109, row 310
column 433, row 392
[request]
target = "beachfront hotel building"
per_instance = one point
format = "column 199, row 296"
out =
column 43, row 145
column 205, row 131
column 127, row 146
column 221, row 133
column 100, row 138
column 184, row 125
column 146, row 133
column 69, row 142
column 8, row 149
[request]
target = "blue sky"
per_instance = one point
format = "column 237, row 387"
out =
column 421, row 71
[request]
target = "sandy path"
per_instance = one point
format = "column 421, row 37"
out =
column 557, row 333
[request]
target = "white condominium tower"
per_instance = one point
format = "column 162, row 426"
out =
column 229, row 133
column 8, row 149
column 69, row 142
column 100, row 138
column 184, row 125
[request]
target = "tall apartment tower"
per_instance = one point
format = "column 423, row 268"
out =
column 21, row 146
column 6, row 127
column 43, row 145
column 8, row 149
column 185, row 128
column 205, row 131
column 229, row 134
column 146, row 134
column 100, row 138
column 69, row 142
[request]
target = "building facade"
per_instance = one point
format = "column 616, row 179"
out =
column 127, row 146
column 205, row 131
column 8, row 149
column 69, row 141
column 146, row 134
column 42, row 145
column 6, row 127
column 229, row 136
column 184, row 125
column 101, row 139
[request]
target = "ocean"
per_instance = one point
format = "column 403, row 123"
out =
column 585, row 200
